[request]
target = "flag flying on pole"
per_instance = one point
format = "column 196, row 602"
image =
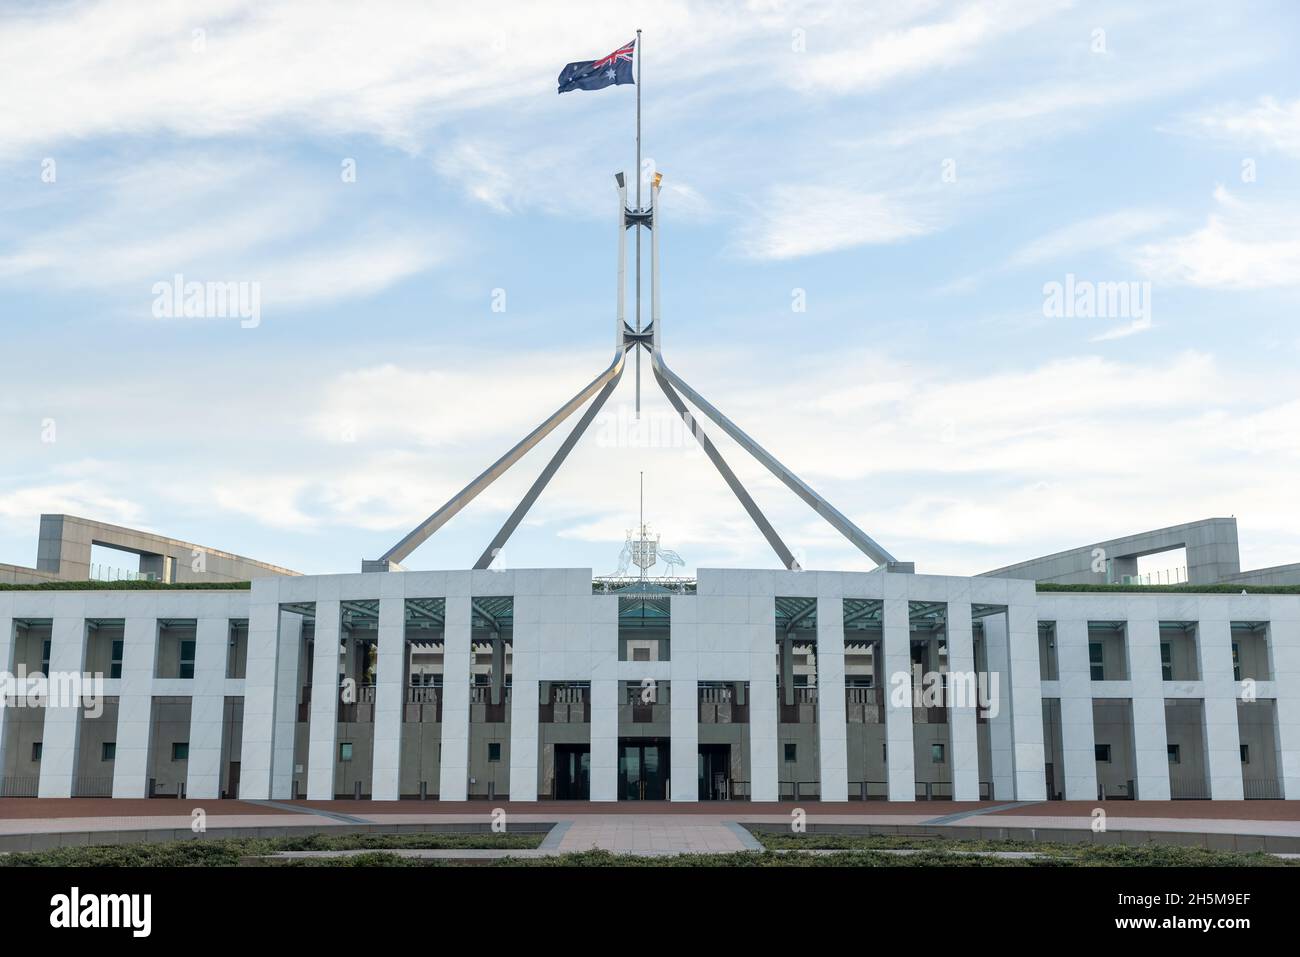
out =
column 609, row 70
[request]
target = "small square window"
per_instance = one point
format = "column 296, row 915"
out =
column 936, row 754
column 1245, row 754
column 36, row 751
column 1175, row 754
column 791, row 752
column 108, row 751
column 640, row 654
column 1102, row 753
column 494, row 750
column 345, row 750
column 180, row 750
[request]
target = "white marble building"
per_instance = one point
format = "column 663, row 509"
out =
column 766, row 685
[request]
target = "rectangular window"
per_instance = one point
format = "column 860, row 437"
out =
column 1102, row 753
column 36, row 751
column 791, row 753
column 936, row 754
column 1096, row 663
column 640, row 654
column 115, row 666
column 1166, row 661
column 1175, row 754
column 1236, row 661
column 345, row 750
column 187, row 659
column 180, row 750
column 1245, row 754
column 494, row 750
column 45, row 657
column 108, row 751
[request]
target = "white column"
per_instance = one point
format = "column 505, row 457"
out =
column 900, row 758
column 135, row 708
column 684, row 727
column 763, row 714
column 604, row 738
column 1219, row 710
column 684, row 687
column 524, row 693
column 1150, row 742
column 390, row 696
column 1001, row 747
column 1284, row 639
column 832, row 719
column 62, row 724
column 7, row 637
column 259, row 691
column 1078, row 733
column 964, row 742
column 207, row 708
column 454, row 771
column 324, row 728
column 288, row 655
column 1026, row 703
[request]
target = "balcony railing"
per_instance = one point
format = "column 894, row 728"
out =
column 92, row 786
column 19, row 785
column 1262, row 789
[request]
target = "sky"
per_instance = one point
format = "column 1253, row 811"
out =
column 997, row 279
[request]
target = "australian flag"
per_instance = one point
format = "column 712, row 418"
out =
column 597, row 74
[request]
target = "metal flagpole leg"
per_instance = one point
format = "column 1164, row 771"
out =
column 517, row 516
column 638, row 209
column 857, row 536
column 764, row 526
column 466, row 495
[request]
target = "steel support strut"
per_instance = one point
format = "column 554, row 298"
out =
column 517, row 516
column 755, row 513
column 498, row 468
column 864, row 542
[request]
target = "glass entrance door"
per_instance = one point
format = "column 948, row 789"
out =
column 642, row 769
column 714, row 770
column 572, row 772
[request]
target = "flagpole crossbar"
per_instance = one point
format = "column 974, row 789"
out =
column 678, row 392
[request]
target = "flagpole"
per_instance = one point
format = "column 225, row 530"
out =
column 638, row 231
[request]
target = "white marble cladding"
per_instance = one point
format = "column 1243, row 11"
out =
column 723, row 632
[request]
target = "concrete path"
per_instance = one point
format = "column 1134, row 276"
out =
column 650, row 834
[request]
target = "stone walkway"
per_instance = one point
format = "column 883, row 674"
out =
column 33, row 824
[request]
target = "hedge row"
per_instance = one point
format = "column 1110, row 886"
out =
column 142, row 585
column 1219, row 589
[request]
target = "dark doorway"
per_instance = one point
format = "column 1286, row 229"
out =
column 642, row 769
column 715, row 772
column 572, row 772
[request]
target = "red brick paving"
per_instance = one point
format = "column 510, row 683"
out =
column 1177, row 810
column 29, row 808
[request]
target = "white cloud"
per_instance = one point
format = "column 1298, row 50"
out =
column 1098, row 232
column 134, row 224
column 876, row 53
column 798, row 221
column 1267, row 125
column 1245, row 244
